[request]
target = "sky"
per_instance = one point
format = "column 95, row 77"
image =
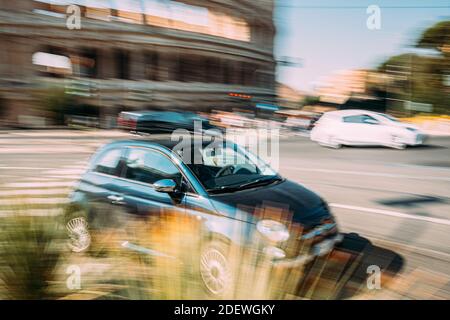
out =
column 327, row 36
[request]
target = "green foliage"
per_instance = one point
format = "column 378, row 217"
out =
column 421, row 78
column 57, row 103
column 310, row 100
column 29, row 256
column 435, row 37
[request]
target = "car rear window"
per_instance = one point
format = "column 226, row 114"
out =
column 361, row 118
column 108, row 162
column 354, row 119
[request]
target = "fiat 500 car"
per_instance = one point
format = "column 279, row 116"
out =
column 220, row 187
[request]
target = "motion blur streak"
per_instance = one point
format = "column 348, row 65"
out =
column 356, row 122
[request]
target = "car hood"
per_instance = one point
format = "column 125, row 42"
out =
column 306, row 207
column 404, row 125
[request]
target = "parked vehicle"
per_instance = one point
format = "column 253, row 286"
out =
column 223, row 188
column 364, row 128
column 299, row 120
column 162, row 121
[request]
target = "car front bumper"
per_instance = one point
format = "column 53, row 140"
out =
column 320, row 249
column 419, row 139
column 415, row 139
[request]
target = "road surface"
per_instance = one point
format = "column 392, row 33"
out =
column 399, row 199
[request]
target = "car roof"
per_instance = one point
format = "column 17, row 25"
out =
column 349, row 112
column 148, row 141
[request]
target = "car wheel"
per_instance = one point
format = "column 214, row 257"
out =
column 215, row 268
column 397, row 143
column 330, row 142
column 79, row 235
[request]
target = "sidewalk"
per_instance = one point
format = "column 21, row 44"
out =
column 65, row 134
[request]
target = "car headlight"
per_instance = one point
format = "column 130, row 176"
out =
column 275, row 253
column 412, row 129
column 273, row 230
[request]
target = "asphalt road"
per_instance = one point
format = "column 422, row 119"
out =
column 397, row 198
column 397, row 195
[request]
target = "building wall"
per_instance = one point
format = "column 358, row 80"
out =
column 120, row 64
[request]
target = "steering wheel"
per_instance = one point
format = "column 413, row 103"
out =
column 227, row 169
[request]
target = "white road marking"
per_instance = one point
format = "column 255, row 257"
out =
column 25, row 168
column 374, row 174
column 46, row 179
column 49, row 184
column 391, row 213
column 50, row 189
column 32, row 212
column 33, row 192
column 30, row 201
column 64, row 172
column 68, row 178
column 80, row 167
column 47, row 150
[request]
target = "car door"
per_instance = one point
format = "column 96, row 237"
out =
column 352, row 129
column 360, row 129
column 161, row 216
column 100, row 187
column 142, row 168
column 374, row 130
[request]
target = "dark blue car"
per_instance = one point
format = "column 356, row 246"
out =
column 222, row 187
column 162, row 121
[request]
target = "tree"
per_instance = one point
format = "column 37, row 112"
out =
column 421, row 78
column 437, row 37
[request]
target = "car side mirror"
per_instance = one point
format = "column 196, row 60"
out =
column 165, row 185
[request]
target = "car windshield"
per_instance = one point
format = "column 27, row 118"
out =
column 229, row 168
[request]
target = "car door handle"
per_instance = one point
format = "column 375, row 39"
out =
column 115, row 199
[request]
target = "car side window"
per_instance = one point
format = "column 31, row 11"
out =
column 369, row 119
column 149, row 166
column 354, row 119
column 108, row 162
column 363, row 118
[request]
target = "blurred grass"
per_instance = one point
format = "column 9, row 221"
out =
column 175, row 273
column 30, row 252
column 34, row 258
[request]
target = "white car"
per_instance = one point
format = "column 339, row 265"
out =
column 364, row 128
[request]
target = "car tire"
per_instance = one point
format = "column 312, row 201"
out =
column 330, row 142
column 397, row 143
column 215, row 268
